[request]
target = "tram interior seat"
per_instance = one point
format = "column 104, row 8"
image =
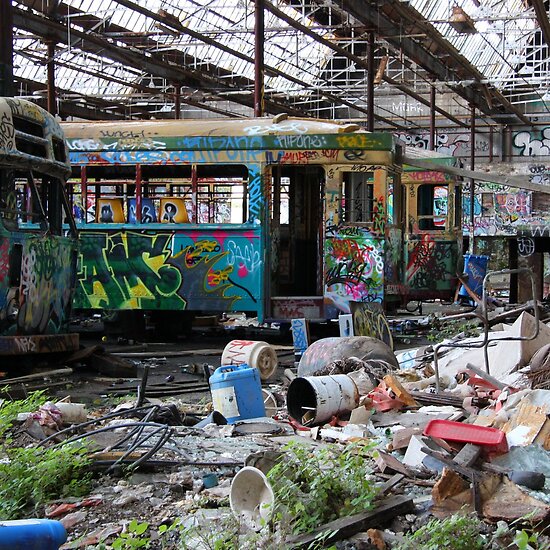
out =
column 109, row 211
column 173, row 210
column 148, row 211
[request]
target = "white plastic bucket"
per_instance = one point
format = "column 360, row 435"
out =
column 251, row 497
column 72, row 413
column 255, row 354
column 316, row 399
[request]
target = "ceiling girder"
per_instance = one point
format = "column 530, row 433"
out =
column 376, row 17
column 46, row 28
column 542, row 18
column 356, row 59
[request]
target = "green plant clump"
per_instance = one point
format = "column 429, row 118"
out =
column 30, row 476
column 442, row 330
column 457, row 532
column 315, row 486
column 10, row 409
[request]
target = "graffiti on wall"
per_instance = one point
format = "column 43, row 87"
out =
column 530, row 144
column 41, row 301
column 354, row 267
column 430, row 263
column 451, row 144
column 499, row 210
column 171, row 270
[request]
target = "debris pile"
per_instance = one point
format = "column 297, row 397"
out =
column 356, row 444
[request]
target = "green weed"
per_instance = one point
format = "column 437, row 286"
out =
column 315, row 486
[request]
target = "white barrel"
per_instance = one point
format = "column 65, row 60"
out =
column 251, row 497
column 315, row 399
column 255, row 354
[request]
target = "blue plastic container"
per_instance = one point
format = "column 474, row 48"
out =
column 32, row 534
column 237, row 392
column 476, row 268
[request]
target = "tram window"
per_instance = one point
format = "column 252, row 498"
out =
column 358, row 197
column 432, row 207
column 165, row 189
column 20, row 204
column 221, row 193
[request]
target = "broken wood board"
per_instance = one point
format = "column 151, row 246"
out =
column 46, row 374
column 401, row 393
column 501, row 499
column 526, row 423
column 346, row 527
column 387, row 462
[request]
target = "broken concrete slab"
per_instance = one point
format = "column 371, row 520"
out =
column 504, row 356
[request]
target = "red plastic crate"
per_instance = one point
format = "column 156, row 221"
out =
column 493, row 439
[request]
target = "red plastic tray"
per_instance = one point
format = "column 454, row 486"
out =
column 467, row 433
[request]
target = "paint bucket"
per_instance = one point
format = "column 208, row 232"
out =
column 237, row 392
column 32, row 534
column 259, row 355
column 316, row 399
column 476, row 268
column 325, row 351
column 72, row 413
column 251, row 497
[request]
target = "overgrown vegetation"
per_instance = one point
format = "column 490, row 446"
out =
column 30, row 476
column 313, row 486
column 443, row 330
column 457, row 532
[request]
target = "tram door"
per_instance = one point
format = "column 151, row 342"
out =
column 295, row 231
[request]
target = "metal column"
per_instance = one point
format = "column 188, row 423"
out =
column 259, row 58
column 370, row 83
column 6, row 49
column 51, row 77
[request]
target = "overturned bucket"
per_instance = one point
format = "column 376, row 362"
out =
column 256, row 354
column 316, row 399
column 251, row 497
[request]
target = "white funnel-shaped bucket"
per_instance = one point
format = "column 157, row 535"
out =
column 315, row 399
column 251, row 497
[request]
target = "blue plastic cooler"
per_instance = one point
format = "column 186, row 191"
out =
column 237, row 392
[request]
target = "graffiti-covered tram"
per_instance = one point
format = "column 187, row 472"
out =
column 38, row 238
column 279, row 218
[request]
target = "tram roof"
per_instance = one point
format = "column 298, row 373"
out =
column 251, row 127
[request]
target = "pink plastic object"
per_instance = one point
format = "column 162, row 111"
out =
column 491, row 438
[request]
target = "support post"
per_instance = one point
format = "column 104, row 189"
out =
column 50, row 66
column 258, row 58
column 472, row 247
column 177, row 101
column 370, row 83
column 432, row 118
column 6, row 49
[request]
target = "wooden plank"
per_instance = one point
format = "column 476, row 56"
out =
column 344, row 528
column 390, row 484
column 37, row 376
